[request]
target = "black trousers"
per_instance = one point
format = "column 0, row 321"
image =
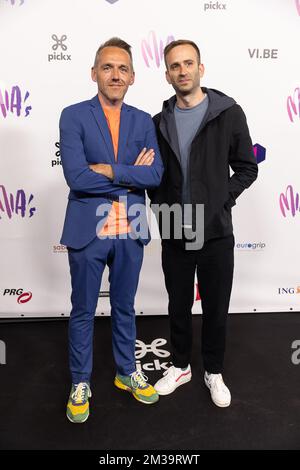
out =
column 214, row 267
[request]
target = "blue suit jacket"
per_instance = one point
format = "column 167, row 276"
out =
column 85, row 139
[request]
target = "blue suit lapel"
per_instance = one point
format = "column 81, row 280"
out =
column 125, row 122
column 99, row 115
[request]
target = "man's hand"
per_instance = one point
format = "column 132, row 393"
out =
column 103, row 169
column 145, row 157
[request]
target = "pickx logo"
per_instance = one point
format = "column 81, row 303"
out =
column 153, row 49
column 15, row 2
column 214, row 6
column 59, row 44
column 57, row 160
column 112, row 1
column 142, row 349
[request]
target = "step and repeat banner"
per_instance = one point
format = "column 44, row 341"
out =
column 250, row 50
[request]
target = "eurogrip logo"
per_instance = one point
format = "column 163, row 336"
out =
column 153, row 49
column 250, row 246
column 58, row 49
column 289, row 202
column 22, row 297
column 155, row 349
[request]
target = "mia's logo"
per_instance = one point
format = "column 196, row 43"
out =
column 141, row 349
column 297, row 2
column 293, row 104
column 289, row 202
column 153, row 49
column 59, row 44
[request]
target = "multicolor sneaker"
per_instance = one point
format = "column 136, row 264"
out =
column 78, row 404
column 136, row 383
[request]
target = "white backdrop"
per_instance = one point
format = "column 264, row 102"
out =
column 250, row 49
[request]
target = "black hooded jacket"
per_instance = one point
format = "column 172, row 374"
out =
column 222, row 141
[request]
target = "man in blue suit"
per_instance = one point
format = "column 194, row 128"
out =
column 109, row 156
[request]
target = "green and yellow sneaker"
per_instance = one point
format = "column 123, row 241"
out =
column 136, row 383
column 78, row 404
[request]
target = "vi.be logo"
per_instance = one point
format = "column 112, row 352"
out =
column 158, row 355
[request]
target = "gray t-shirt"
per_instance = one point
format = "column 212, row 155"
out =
column 188, row 122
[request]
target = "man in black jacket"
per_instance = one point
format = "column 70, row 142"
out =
column 201, row 134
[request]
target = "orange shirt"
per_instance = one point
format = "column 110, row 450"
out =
column 117, row 221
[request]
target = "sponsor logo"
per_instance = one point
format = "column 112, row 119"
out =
column 155, row 349
column 16, row 204
column 263, row 53
column 16, row 2
column 112, row 1
column 60, row 249
column 259, row 152
column 14, row 101
column 59, row 44
column 289, row 290
column 153, row 49
column 289, row 202
column 297, row 3
column 214, row 6
column 250, row 246
column 56, row 161
column 22, row 297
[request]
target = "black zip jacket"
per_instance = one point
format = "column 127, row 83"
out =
column 222, row 141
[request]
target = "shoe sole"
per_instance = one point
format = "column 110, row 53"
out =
column 128, row 389
column 182, row 382
column 77, row 422
column 220, row 405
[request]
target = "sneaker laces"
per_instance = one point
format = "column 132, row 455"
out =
column 170, row 371
column 216, row 380
column 138, row 379
column 79, row 395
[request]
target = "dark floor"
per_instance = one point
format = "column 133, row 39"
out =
column 265, row 386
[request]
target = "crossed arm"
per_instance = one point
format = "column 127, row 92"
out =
column 145, row 157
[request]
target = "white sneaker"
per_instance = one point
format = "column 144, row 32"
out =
column 172, row 378
column 220, row 394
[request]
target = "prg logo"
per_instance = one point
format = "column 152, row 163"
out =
column 59, row 43
column 293, row 105
column 153, row 49
column 23, row 297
